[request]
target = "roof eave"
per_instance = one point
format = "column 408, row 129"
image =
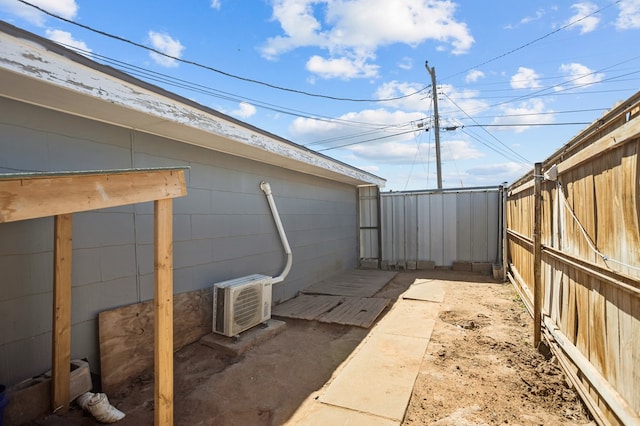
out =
column 33, row 71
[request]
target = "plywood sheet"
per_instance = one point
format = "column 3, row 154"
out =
column 126, row 335
column 355, row 283
column 358, row 311
column 306, row 306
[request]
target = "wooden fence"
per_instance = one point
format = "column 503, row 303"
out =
column 573, row 238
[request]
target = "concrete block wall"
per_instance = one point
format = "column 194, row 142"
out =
column 222, row 229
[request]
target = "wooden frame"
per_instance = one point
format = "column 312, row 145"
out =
column 32, row 195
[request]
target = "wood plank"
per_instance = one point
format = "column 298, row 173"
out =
column 537, row 257
column 598, row 329
column 623, row 134
column 572, row 310
column 362, row 283
column 32, row 196
column 563, row 323
column 361, row 312
column 306, row 306
column 634, row 367
column 612, row 302
column 583, row 312
column 163, row 312
column 629, row 323
column 61, row 342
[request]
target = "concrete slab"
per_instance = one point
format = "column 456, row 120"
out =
column 379, row 379
column 413, row 318
column 427, row 290
column 246, row 340
column 316, row 413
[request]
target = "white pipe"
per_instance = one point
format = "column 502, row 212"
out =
column 266, row 188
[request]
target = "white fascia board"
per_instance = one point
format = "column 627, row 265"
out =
column 31, row 72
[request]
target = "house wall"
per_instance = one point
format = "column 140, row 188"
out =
column 223, row 229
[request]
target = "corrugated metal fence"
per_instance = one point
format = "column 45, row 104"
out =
column 586, row 266
column 438, row 228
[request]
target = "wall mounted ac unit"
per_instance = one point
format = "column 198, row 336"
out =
column 241, row 303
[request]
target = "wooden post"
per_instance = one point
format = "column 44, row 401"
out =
column 61, row 341
column 163, row 318
column 537, row 255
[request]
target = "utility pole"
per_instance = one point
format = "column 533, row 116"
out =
column 434, row 93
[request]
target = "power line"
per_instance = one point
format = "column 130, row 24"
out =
column 369, row 140
column 532, row 41
column 577, row 123
column 210, row 68
column 493, row 136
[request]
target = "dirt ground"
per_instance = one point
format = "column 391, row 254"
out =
column 479, row 369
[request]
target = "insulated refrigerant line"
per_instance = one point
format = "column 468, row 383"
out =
column 266, row 188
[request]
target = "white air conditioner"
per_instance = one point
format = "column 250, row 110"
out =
column 241, row 303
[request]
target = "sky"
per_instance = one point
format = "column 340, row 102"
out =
column 352, row 79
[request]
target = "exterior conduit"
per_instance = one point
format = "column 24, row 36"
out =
column 266, row 188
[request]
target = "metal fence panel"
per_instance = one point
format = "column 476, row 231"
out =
column 442, row 227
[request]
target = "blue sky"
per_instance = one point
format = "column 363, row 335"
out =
column 515, row 80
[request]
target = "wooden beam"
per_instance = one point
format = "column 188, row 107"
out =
column 537, row 255
column 619, row 136
column 163, row 318
column 38, row 195
column 61, row 341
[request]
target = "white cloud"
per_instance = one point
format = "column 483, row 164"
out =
column 525, row 78
column 357, row 28
column 539, row 14
column 405, row 152
column 451, row 99
column 165, row 44
column 585, row 23
column 629, row 15
column 406, row 63
column 65, row 38
column 343, row 68
column 489, row 174
column 64, row 8
column 395, row 89
column 578, row 75
column 457, row 101
column 531, row 111
column 309, row 130
column 498, row 169
column 245, row 110
column 215, row 4
column 473, row 76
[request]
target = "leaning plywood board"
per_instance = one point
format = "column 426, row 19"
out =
column 126, row 335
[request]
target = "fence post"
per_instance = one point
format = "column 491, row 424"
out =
column 537, row 255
